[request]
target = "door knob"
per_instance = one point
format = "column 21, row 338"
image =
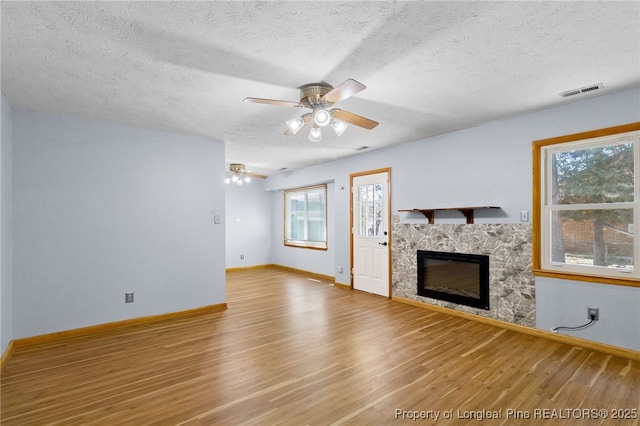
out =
column 383, row 244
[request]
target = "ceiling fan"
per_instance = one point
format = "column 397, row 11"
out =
column 319, row 97
column 239, row 175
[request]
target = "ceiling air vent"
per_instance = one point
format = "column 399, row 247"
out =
column 581, row 90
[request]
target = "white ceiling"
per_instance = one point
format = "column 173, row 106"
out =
column 429, row 67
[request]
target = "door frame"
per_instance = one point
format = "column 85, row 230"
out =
column 351, row 177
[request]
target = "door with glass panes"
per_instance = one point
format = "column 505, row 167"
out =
column 370, row 232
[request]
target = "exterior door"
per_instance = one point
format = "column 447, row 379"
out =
column 370, row 248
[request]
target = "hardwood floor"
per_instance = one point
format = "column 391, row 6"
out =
column 294, row 351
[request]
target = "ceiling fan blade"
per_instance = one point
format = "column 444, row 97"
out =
column 272, row 102
column 354, row 119
column 238, row 169
column 344, row 90
column 256, row 175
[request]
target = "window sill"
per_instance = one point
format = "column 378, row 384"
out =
column 632, row 282
column 304, row 247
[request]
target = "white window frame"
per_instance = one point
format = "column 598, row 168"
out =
column 543, row 151
column 304, row 242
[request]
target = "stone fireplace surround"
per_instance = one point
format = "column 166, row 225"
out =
column 511, row 282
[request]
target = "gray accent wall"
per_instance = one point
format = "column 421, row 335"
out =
column 564, row 303
column 100, row 209
column 248, row 225
column 6, row 261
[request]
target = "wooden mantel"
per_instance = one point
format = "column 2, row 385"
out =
column 466, row 211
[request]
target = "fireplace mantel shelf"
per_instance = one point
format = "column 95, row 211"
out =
column 466, row 211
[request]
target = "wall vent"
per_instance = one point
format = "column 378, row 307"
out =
column 581, row 90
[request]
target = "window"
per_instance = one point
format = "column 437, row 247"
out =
column 586, row 196
column 370, row 210
column 305, row 212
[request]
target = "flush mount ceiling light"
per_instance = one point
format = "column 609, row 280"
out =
column 320, row 97
column 239, row 175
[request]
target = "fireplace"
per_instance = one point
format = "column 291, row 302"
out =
column 454, row 277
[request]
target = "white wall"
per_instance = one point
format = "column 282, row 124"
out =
column 101, row 209
column 489, row 164
column 248, row 225
column 6, row 267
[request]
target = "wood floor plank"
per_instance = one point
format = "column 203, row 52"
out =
column 293, row 351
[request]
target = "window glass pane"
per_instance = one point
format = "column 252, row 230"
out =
column 601, row 174
column 377, row 209
column 296, row 216
column 593, row 238
column 315, row 224
column 362, row 210
column 305, row 213
column 370, row 210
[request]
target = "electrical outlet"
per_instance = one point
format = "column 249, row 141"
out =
column 128, row 298
column 242, row 257
column 593, row 313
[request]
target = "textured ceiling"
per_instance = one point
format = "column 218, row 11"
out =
column 429, row 67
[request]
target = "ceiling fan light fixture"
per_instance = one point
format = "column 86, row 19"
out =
column 322, row 117
column 239, row 175
column 238, row 179
column 315, row 135
column 338, row 126
column 320, row 97
column 295, row 124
